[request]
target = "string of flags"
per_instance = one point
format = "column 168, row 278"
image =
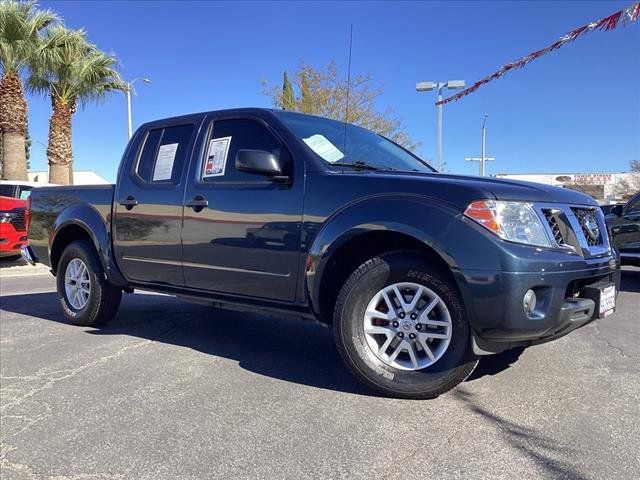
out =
column 621, row 17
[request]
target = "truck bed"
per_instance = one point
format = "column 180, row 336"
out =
column 48, row 202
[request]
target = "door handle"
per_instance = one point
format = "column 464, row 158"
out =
column 129, row 202
column 198, row 203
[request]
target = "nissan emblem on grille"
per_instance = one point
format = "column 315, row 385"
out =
column 591, row 227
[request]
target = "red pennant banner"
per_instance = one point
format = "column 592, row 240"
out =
column 626, row 16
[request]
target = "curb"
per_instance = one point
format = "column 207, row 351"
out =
column 23, row 271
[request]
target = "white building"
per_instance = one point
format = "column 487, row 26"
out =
column 602, row 186
column 80, row 177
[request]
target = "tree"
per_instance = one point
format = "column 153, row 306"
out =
column 629, row 186
column 288, row 97
column 325, row 92
column 72, row 72
column 27, row 148
column 21, row 24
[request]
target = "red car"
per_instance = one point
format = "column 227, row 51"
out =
column 13, row 233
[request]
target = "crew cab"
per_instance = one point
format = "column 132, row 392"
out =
column 417, row 272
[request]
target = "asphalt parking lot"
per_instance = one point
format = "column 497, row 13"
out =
column 174, row 390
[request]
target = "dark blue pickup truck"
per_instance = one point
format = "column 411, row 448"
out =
column 418, row 272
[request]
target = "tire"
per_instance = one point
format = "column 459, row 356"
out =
column 409, row 380
column 103, row 299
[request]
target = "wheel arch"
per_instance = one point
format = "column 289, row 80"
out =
column 78, row 222
column 366, row 230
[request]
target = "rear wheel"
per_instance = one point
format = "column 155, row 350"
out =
column 401, row 328
column 86, row 297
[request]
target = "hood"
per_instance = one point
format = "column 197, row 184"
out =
column 10, row 203
column 461, row 189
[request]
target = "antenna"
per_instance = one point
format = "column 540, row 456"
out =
column 346, row 107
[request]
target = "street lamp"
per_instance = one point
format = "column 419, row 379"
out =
column 128, row 92
column 483, row 158
column 427, row 87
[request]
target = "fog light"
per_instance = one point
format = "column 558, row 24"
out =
column 529, row 302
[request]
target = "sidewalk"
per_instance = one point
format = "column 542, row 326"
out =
column 20, row 268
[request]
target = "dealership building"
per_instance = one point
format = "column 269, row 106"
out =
column 604, row 187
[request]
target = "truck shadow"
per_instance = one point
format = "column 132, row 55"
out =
column 543, row 451
column 494, row 364
column 288, row 349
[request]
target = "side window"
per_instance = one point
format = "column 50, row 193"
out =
column 229, row 136
column 634, row 205
column 24, row 192
column 164, row 153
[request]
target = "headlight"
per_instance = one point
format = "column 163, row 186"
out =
column 513, row 221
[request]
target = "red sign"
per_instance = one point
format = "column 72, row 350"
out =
column 593, row 178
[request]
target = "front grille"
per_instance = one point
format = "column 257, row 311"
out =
column 554, row 225
column 589, row 224
column 18, row 220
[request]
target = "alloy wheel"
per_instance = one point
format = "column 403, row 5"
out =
column 77, row 285
column 407, row 326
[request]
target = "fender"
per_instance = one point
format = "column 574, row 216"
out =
column 420, row 217
column 94, row 224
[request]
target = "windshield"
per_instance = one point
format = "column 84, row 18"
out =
column 339, row 143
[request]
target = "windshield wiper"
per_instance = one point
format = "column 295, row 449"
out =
column 360, row 165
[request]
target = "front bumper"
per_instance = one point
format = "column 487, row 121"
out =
column 11, row 240
column 494, row 301
column 28, row 256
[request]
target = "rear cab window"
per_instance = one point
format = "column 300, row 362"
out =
column 163, row 154
column 24, row 192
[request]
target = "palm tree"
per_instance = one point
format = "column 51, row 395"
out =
column 21, row 24
column 72, row 72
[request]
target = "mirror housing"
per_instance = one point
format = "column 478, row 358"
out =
column 617, row 210
column 259, row 162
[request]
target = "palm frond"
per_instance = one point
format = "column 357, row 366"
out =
column 74, row 69
column 21, row 24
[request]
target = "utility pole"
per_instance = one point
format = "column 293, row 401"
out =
column 439, row 86
column 483, row 158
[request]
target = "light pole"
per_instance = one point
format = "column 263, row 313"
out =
column 483, row 156
column 128, row 92
column 427, row 87
column 484, row 144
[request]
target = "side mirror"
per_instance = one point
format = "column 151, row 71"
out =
column 259, row 162
column 617, row 210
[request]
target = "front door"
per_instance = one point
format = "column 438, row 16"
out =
column 148, row 206
column 242, row 233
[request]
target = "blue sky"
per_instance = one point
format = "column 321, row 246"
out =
column 576, row 109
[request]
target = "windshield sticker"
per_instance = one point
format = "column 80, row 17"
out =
column 323, row 147
column 216, row 157
column 164, row 162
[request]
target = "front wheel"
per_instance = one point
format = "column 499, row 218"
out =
column 401, row 328
column 86, row 297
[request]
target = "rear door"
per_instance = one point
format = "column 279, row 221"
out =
column 148, row 204
column 244, row 238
